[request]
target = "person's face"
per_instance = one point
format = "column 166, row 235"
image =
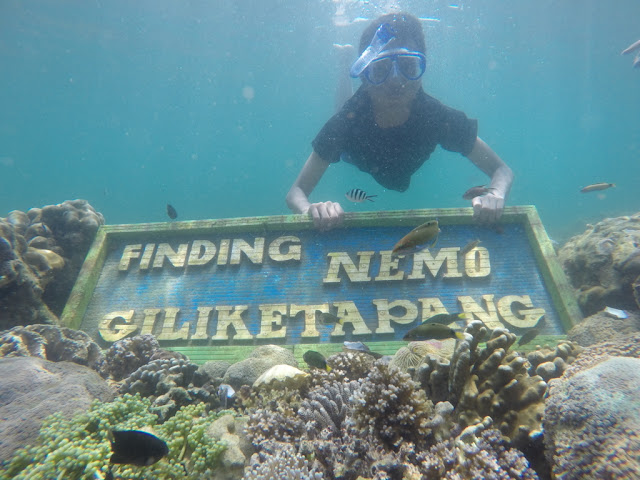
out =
column 396, row 90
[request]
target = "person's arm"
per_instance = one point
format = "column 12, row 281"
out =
column 326, row 215
column 488, row 208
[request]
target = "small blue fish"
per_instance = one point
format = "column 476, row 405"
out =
column 358, row 196
column 359, row 347
column 227, row 395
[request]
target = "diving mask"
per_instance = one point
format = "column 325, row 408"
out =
column 411, row 65
column 384, row 34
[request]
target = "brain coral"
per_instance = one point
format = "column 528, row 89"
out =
column 592, row 421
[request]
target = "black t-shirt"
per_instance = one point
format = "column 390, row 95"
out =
column 392, row 155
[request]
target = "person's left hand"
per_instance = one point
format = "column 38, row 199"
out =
column 488, row 208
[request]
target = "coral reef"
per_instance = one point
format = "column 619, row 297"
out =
column 125, row 356
column 601, row 327
column 32, row 388
column 52, row 343
column 41, row 253
column 326, row 407
column 280, row 376
column 80, row 447
column 603, row 263
column 247, row 371
column 592, row 421
column 391, row 408
column 230, row 430
column 168, row 383
column 489, row 381
column 280, row 463
column 550, row 362
column 477, row 452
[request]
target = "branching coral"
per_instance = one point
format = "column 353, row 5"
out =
column 79, row 448
column 488, row 381
column 391, row 408
column 283, row 462
column 326, row 407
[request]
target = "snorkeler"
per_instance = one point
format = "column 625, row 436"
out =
column 390, row 126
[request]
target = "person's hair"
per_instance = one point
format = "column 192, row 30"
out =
column 407, row 29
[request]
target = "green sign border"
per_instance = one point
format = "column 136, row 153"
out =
column 561, row 292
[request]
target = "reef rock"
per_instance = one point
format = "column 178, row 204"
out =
column 601, row 327
column 247, row 371
column 231, row 431
column 41, row 253
column 592, row 421
column 31, row 389
column 127, row 355
column 604, row 263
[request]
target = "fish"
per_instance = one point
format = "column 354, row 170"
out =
column 432, row 331
column 417, row 238
column 359, row 347
column 469, row 246
column 171, row 212
column 597, row 186
column 446, row 318
column 478, row 191
column 528, row 336
column 226, row 394
column 326, row 318
column 316, row 359
column 616, row 313
column 358, row 196
column 634, row 46
column 135, row 447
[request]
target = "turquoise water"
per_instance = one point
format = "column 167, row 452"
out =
column 211, row 106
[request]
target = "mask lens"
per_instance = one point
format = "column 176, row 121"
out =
column 378, row 70
column 411, row 66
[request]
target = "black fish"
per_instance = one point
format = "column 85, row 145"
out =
column 527, row 337
column 171, row 212
column 432, row 331
column 135, row 447
column 446, row 318
column 316, row 359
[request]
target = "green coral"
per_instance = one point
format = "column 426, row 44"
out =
column 79, row 449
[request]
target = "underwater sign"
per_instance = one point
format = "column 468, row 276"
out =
column 267, row 280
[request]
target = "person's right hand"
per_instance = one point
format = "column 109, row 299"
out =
column 326, row 215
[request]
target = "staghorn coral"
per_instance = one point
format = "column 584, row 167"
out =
column 125, row 356
column 282, row 462
column 168, row 383
column 391, row 408
column 52, row 343
column 79, row 447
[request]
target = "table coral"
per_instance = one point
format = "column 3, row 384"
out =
column 79, row 448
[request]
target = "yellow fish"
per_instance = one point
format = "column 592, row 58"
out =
column 417, row 238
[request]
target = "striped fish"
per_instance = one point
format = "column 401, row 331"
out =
column 358, row 196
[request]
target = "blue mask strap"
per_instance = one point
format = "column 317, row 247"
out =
column 380, row 40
